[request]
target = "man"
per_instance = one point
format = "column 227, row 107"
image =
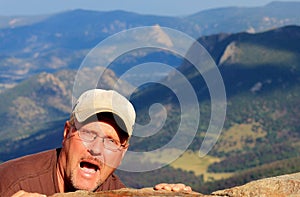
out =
column 95, row 140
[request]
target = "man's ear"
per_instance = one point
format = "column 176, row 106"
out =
column 125, row 149
column 67, row 130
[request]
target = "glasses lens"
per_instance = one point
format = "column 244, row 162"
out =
column 111, row 144
column 87, row 135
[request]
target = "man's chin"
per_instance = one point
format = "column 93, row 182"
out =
column 86, row 185
column 86, row 180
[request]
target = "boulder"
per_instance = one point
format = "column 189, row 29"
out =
column 285, row 185
column 279, row 186
column 127, row 192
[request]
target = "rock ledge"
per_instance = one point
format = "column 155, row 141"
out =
column 280, row 186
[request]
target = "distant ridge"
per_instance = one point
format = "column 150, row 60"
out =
column 47, row 43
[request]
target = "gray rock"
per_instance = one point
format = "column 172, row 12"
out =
column 280, row 186
column 285, row 185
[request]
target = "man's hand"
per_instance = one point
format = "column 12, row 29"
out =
column 179, row 187
column 22, row 193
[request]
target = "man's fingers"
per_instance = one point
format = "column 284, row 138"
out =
column 22, row 193
column 173, row 187
column 178, row 187
column 160, row 186
column 188, row 189
column 19, row 193
column 168, row 187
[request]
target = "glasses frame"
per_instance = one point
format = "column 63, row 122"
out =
column 104, row 139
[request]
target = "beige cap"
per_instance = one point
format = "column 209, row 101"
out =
column 96, row 101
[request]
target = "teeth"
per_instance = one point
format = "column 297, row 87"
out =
column 89, row 170
column 88, row 167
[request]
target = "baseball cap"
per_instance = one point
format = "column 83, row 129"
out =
column 95, row 101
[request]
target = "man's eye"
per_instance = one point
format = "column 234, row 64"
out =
column 112, row 141
column 88, row 133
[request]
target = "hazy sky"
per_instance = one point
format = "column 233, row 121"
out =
column 156, row 7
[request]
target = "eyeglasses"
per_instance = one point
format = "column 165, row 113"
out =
column 91, row 136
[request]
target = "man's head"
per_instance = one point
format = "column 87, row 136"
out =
column 96, row 138
column 95, row 101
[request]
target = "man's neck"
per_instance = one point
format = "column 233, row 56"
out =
column 60, row 172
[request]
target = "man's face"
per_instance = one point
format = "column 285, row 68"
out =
column 89, row 164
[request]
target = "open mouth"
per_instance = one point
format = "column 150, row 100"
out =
column 89, row 167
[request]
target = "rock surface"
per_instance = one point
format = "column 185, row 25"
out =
column 280, row 186
column 286, row 185
column 127, row 192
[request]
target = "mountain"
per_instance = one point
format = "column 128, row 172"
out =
column 253, row 19
column 48, row 43
column 35, row 110
column 39, row 99
column 261, row 77
column 260, row 72
column 251, row 64
column 16, row 21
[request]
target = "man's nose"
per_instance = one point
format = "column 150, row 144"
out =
column 96, row 147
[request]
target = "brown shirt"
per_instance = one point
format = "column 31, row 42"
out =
column 37, row 173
